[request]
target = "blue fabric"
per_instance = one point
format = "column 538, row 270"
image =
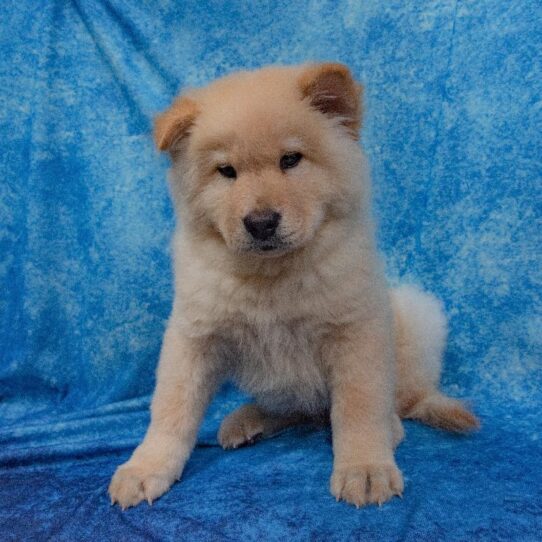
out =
column 453, row 131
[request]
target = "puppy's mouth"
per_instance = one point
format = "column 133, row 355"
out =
column 270, row 247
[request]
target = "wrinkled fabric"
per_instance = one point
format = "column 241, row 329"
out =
column 452, row 122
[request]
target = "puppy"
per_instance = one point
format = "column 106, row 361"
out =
column 278, row 286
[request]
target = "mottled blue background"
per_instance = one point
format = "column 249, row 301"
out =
column 453, row 131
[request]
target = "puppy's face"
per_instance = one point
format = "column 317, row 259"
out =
column 262, row 159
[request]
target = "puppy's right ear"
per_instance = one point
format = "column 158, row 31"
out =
column 331, row 89
column 174, row 123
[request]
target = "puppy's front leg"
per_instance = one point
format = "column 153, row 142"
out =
column 360, row 359
column 186, row 379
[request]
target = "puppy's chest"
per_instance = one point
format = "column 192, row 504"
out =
column 280, row 364
column 274, row 335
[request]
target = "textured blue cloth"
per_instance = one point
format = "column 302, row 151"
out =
column 453, row 131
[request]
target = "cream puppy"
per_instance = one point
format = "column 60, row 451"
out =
column 278, row 285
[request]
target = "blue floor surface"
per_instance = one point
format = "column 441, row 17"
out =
column 452, row 128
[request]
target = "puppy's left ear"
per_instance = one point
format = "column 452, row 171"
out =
column 174, row 123
column 332, row 90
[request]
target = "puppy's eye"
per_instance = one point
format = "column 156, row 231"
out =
column 290, row 160
column 227, row 171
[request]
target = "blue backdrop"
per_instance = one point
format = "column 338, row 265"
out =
column 453, row 131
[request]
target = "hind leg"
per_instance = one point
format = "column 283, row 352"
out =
column 420, row 339
column 420, row 335
column 250, row 423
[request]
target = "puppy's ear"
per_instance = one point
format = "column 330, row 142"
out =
column 332, row 90
column 174, row 123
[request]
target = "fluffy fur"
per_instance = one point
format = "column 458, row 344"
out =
column 300, row 317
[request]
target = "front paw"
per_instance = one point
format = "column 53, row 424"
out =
column 133, row 483
column 368, row 483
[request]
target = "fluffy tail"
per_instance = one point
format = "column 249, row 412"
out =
column 421, row 329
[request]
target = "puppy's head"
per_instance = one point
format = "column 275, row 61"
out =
column 263, row 159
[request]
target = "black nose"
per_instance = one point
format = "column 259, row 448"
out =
column 262, row 224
